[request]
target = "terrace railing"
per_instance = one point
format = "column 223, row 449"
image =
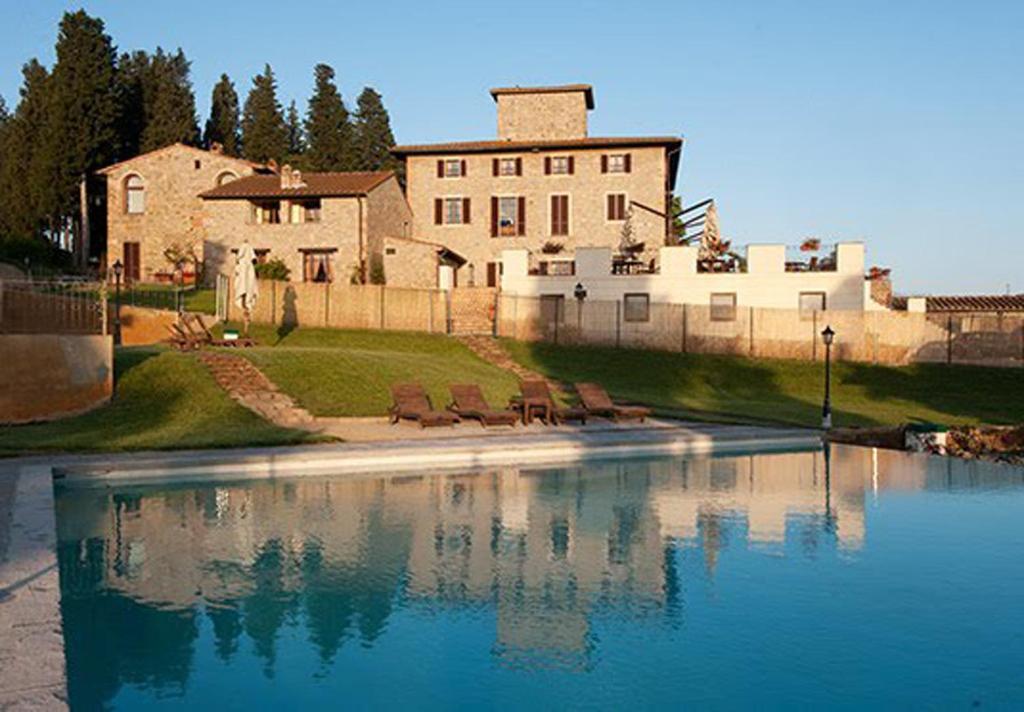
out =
column 52, row 307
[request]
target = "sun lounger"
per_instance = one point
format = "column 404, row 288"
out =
column 411, row 403
column 468, row 402
column 536, row 399
column 597, row 402
column 190, row 333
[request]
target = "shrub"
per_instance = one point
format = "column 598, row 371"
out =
column 274, row 269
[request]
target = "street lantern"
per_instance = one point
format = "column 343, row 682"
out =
column 827, row 337
column 580, row 293
column 118, row 271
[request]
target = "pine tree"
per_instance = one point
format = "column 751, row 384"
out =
column 296, row 136
column 264, row 134
column 373, row 137
column 328, row 131
column 81, row 128
column 222, row 126
column 23, row 177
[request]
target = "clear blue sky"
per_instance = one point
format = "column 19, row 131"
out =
column 899, row 123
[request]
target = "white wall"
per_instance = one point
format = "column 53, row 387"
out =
column 765, row 283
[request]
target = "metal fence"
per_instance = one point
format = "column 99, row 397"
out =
column 52, row 307
column 883, row 337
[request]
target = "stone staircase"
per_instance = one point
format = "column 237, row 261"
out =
column 249, row 387
column 490, row 350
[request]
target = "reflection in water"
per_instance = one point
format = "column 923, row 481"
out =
column 155, row 580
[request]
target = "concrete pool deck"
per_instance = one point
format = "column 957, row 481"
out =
column 32, row 666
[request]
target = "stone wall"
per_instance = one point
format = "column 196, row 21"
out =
column 587, row 189
column 543, row 115
column 410, row 263
column 51, row 376
column 174, row 214
column 141, row 326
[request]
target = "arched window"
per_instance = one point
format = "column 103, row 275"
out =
column 134, row 195
column 225, row 177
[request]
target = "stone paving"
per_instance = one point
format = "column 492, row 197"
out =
column 490, row 350
column 248, row 386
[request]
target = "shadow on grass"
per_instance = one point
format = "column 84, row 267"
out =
column 707, row 387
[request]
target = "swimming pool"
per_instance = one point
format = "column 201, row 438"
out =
column 844, row 579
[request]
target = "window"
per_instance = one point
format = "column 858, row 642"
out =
column 552, row 308
column 135, row 195
column 316, row 266
column 452, row 168
column 617, row 206
column 261, row 255
column 266, row 212
column 811, row 302
column 493, row 274
column 225, row 177
column 616, row 163
column 559, row 214
column 507, row 166
column 636, row 307
column 723, row 306
column 304, row 211
column 453, row 211
column 558, row 165
column 197, row 164
column 508, row 216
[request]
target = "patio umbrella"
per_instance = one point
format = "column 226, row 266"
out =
column 245, row 285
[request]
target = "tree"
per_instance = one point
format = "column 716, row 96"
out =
column 264, row 134
column 81, row 127
column 373, row 137
column 222, row 126
column 157, row 106
column 328, row 131
column 296, row 136
column 24, row 178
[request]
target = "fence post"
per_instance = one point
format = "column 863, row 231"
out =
column 383, row 308
column 814, row 335
column 949, row 339
column 751, row 327
column 686, row 308
column 618, row 323
column 448, row 311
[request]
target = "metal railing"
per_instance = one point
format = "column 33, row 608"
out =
column 52, row 307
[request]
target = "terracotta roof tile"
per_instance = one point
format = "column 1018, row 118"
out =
column 968, row 303
column 553, row 144
column 318, row 185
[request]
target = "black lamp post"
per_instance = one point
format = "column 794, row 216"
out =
column 581, row 294
column 827, row 337
column 118, row 270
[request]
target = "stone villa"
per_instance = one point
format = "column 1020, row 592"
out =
column 544, row 185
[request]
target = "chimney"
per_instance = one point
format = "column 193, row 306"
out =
column 217, row 147
column 291, row 177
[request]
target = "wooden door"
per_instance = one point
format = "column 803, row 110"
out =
column 132, row 268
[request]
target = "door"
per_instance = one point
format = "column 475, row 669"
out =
column 132, row 268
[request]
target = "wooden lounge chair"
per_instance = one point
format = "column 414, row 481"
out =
column 182, row 339
column 468, row 402
column 537, row 398
column 412, row 403
column 597, row 402
column 190, row 333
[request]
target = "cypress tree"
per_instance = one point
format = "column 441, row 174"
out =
column 222, row 126
column 296, row 137
column 328, row 131
column 132, row 78
column 170, row 103
column 264, row 134
column 23, row 176
column 81, row 128
column 373, row 137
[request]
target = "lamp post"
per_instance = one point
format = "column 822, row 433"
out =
column 118, row 270
column 827, row 337
column 581, row 294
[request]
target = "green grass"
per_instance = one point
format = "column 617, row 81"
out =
column 348, row 373
column 162, row 296
column 165, row 400
column 788, row 392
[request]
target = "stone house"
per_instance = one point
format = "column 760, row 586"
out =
column 324, row 226
column 153, row 204
column 544, row 185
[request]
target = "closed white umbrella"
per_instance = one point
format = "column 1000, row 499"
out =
column 246, row 287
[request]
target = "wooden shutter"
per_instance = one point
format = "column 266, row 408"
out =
column 494, row 216
column 438, row 211
column 554, row 214
column 604, row 162
column 572, row 165
column 440, row 168
column 492, row 274
column 519, row 166
column 522, row 214
column 494, row 167
column 462, row 167
column 627, row 162
column 559, row 214
column 547, row 165
column 611, row 208
column 465, row 211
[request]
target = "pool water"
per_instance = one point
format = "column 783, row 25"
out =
column 810, row 579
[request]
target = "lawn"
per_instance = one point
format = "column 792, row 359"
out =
column 334, row 372
column 787, row 391
column 162, row 296
column 164, row 400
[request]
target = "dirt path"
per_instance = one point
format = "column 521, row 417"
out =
column 247, row 385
